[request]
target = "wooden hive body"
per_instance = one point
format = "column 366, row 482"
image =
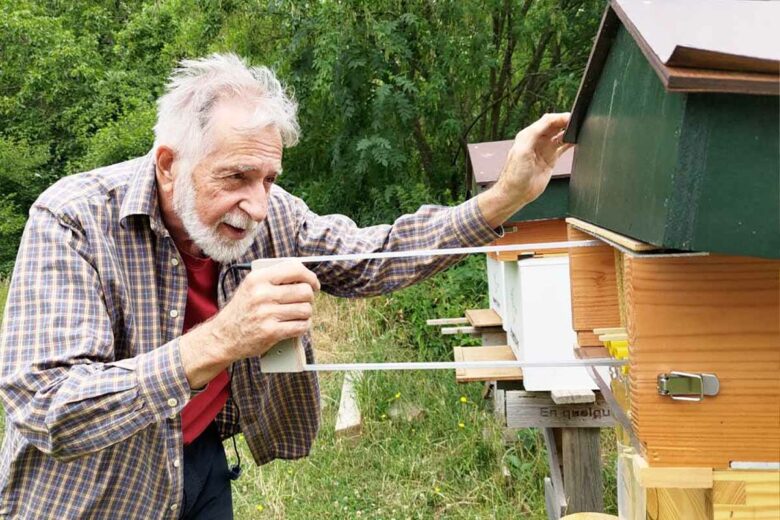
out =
column 708, row 314
column 701, row 314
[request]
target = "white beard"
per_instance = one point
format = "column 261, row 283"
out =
column 208, row 239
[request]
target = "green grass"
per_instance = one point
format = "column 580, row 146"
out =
column 446, row 465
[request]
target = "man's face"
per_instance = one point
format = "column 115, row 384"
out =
column 224, row 197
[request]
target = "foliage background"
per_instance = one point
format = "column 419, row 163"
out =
column 390, row 91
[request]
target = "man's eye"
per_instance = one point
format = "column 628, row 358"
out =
column 236, row 176
column 270, row 180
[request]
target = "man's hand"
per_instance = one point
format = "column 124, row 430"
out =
column 270, row 305
column 527, row 169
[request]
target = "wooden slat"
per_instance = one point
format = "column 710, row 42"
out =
column 715, row 314
column 591, row 352
column 537, row 410
column 682, row 478
column 678, row 504
column 587, row 339
column 555, row 497
column 743, row 495
column 436, row 322
column 348, row 421
column 594, row 295
column 623, row 336
column 627, row 242
column 531, row 232
column 495, row 353
column 483, row 318
column 610, row 330
column 631, row 496
column 572, row 396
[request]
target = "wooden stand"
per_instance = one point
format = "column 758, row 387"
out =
column 570, row 421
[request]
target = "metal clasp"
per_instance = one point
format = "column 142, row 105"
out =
column 685, row 386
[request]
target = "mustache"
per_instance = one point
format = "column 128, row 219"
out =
column 240, row 220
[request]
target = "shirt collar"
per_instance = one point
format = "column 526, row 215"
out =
column 141, row 196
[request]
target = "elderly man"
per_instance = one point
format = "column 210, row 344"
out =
column 123, row 367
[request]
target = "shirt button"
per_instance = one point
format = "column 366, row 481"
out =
column 173, row 507
column 174, row 313
column 172, row 402
column 174, row 262
column 176, row 463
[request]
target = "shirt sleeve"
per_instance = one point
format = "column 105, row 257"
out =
column 431, row 227
column 60, row 384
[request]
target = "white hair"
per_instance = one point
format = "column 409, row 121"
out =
column 194, row 88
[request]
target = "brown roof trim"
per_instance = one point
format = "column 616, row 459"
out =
column 487, row 161
column 683, row 79
column 674, row 79
column 598, row 56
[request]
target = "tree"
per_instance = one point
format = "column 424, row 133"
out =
column 390, row 91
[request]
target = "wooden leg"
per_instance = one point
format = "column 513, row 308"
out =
column 582, row 480
column 551, row 500
column 499, row 405
column 553, row 486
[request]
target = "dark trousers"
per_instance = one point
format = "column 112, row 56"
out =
column 206, row 479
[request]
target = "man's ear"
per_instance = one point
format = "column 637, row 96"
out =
column 164, row 157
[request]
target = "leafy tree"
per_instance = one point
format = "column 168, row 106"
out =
column 390, row 91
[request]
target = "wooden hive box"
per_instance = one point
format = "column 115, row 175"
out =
column 676, row 125
column 713, row 314
column 539, row 222
column 488, row 158
column 705, row 314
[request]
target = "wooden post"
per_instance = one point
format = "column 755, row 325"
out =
column 582, row 481
column 554, row 497
column 349, row 420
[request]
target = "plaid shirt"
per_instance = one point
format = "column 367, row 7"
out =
column 90, row 374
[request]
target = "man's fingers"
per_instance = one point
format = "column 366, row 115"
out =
column 563, row 148
column 548, row 124
column 292, row 293
column 293, row 311
column 558, row 138
column 293, row 328
column 292, row 272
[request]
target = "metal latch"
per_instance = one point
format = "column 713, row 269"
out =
column 684, row 386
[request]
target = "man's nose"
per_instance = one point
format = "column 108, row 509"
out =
column 255, row 206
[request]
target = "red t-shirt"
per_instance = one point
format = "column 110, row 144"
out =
column 202, row 279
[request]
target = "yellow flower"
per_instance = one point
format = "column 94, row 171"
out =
column 464, row 399
column 259, row 508
column 384, row 416
column 461, row 425
column 437, row 489
column 398, row 395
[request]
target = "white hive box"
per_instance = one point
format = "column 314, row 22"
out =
column 538, row 309
column 498, row 290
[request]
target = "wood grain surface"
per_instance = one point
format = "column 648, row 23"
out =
column 531, row 232
column 715, row 314
column 494, row 353
column 594, row 295
column 481, row 318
